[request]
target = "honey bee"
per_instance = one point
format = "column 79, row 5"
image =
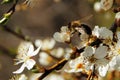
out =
column 77, row 25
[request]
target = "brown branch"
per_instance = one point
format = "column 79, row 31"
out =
column 54, row 67
column 6, row 28
column 12, row 9
column 21, row 36
column 58, row 65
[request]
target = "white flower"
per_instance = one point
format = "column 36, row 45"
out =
column 99, row 53
column 44, row 58
column 47, row 44
column 106, row 4
column 76, row 65
column 97, row 57
column 89, row 58
column 58, row 53
column 102, row 33
column 63, row 36
column 25, row 58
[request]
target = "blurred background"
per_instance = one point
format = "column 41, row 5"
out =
column 42, row 19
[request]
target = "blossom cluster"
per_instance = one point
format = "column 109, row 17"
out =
column 101, row 49
column 45, row 49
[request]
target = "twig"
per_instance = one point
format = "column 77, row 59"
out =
column 21, row 36
column 57, row 66
column 6, row 28
column 54, row 67
column 63, row 61
column 13, row 7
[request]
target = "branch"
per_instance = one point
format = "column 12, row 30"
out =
column 64, row 61
column 12, row 9
column 21, row 36
column 54, row 67
column 6, row 28
column 58, row 65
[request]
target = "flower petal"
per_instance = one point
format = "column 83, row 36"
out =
column 30, row 63
column 103, row 70
column 58, row 37
column 38, row 42
column 96, row 31
column 48, row 44
column 20, row 70
column 88, row 52
column 105, row 33
column 113, row 63
column 101, row 52
column 102, row 32
column 35, row 52
column 44, row 59
column 30, row 50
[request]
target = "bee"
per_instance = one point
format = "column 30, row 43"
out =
column 78, row 26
